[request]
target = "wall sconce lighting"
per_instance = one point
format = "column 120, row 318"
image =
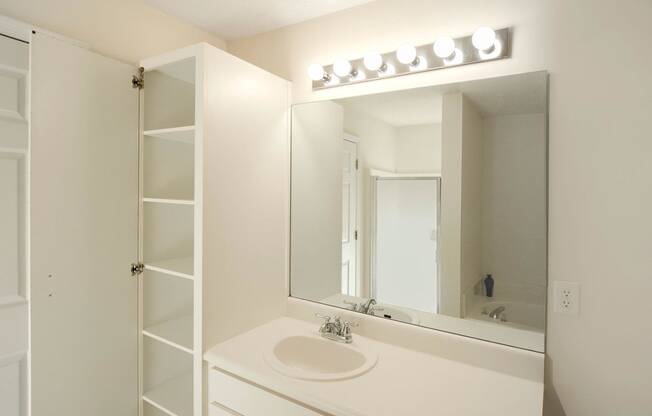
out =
column 444, row 47
column 484, row 39
column 373, row 61
column 407, row 55
column 343, row 68
column 316, row 72
column 485, row 44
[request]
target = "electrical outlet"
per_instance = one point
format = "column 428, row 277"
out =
column 567, row 297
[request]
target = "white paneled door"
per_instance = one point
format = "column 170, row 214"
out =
column 349, row 216
column 14, row 294
column 84, row 232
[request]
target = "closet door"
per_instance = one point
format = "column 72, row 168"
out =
column 84, row 232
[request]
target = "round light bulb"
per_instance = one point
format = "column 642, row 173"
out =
column 444, row 47
column 406, row 54
column 373, row 61
column 342, row 68
column 484, row 38
column 316, row 72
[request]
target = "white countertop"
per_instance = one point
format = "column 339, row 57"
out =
column 403, row 382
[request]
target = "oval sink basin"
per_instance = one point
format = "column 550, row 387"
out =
column 315, row 358
column 389, row 312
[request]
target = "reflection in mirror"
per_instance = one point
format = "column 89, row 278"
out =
column 427, row 206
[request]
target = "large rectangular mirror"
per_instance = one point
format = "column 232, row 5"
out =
column 427, row 206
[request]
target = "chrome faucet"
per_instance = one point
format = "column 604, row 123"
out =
column 336, row 330
column 368, row 307
column 495, row 314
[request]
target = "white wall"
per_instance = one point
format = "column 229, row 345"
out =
column 514, row 205
column 128, row 30
column 418, row 148
column 461, row 205
column 245, row 222
column 600, row 229
column 316, row 223
column 451, row 206
column 376, row 150
column 472, row 157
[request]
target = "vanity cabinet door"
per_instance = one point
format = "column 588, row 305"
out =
column 236, row 397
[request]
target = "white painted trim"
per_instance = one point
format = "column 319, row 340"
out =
column 11, row 301
column 15, row 28
column 9, row 359
column 375, row 173
column 169, row 201
column 351, row 138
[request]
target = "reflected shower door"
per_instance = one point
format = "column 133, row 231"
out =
column 406, row 234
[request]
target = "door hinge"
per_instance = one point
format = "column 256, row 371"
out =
column 138, row 81
column 137, row 268
column 355, row 234
column 356, row 164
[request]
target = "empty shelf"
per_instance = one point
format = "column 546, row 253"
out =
column 173, row 397
column 178, row 134
column 170, row 201
column 180, row 267
column 177, row 333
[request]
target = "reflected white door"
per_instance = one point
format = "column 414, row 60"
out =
column 84, row 232
column 405, row 269
column 349, row 216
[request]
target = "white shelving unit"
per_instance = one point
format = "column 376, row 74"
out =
column 171, row 286
column 184, row 134
column 180, row 267
column 205, row 148
column 172, row 397
column 175, row 332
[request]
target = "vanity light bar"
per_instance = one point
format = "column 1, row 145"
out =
column 485, row 44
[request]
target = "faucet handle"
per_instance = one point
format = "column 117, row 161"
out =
column 346, row 325
column 326, row 318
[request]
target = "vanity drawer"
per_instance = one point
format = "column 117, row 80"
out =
column 234, row 397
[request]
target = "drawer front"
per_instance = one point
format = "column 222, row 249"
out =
column 244, row 399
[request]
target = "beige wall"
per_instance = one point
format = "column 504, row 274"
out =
column 418, row 148
column 461, row 201
column 316, row 223
column 514, row 205
column 451, row 205
column 600, row 230
column 472, row 156
column 127, row 30
column 376, row 150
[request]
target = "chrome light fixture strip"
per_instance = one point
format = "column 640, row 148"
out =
column 465, row 53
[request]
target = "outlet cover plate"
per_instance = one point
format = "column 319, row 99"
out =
column 566, row 296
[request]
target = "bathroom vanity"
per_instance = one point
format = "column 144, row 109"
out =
column 243, row 380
